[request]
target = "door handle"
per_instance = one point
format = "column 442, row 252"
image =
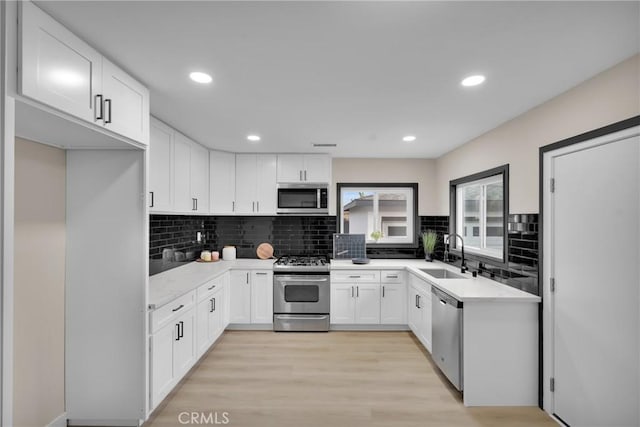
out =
column 300, row 175
column 247, row 278
column 177, row 332
column 196, row 203
column 107, row 121
column 181, row 329
column 418, row 299
column 233, row 206
column 214, row 304
column 357, row 291
column 352, row 292
column 257, row 206
column 98, row 102
column 152, row 199
column 253, row 206
column 305, row 175
column 383, row 292
column 211, row 305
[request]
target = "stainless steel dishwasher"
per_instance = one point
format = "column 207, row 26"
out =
column 447, row 335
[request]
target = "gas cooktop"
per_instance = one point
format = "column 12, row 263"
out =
column 299, row 263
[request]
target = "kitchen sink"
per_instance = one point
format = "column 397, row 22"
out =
column 441, row 273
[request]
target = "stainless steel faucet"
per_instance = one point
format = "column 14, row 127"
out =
column 463, row 265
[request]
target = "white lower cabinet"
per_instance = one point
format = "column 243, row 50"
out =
column 393, row 307
column 419, row 310
column 211, row 312
column 357, row 303
column 172, row 343
column 251, row 297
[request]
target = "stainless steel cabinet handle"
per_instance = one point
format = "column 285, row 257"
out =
column 196, row 204
column 443, row 302
column 300, row 175
column 260, row 273
column 181, row 329
column 107, row 121
column 214, row 304
column 253, row 206
column 305, row 175
column 357, row 291
column 213, row 286
column 211, row 305
column 257, row 206
column 383, row 292
column 352, row 292
column 177, row 332
column 354, row 277
column 299, row 280
column 417, row 301
column 233, row 206
column 391, row 277
column 152, row 199
column 178, row 308
column 247, row 278
column 418, row 297
column 98, row 103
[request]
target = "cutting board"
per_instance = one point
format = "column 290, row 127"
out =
column 264, row 251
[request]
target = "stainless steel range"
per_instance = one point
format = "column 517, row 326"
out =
column 301, row 294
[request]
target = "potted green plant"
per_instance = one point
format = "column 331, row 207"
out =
column 376, row 235
column 429, row 240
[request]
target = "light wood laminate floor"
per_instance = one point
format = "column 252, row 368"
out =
column 334, row 379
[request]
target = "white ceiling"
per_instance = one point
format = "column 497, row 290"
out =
column 357, row 74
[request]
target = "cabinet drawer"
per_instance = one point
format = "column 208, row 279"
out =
column 168, row 312
column 392, row 276
column 209, row 288
column 355, row 276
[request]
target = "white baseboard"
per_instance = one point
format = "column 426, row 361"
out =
column 59, row 421
column 364, row 327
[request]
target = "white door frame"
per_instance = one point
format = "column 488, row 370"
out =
column 608, row 134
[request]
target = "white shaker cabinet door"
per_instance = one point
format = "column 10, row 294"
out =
column 222, row 182
column 317, row 168
column 393, row 304
column 200, row 178
column 160, row 168
column 240, row 297
column 184, row 347
column 246, row 176
column 261, row 297
column 343, row 300
column 162, row 377
column 290, row 168
column 368, row 303
column 57, row 68
column 183, row 201
column 126, row 103
column 266, row 191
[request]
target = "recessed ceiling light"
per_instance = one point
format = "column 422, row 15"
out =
column 253, row 138
column 199, row 77
column 409, row 138
column 473, row 80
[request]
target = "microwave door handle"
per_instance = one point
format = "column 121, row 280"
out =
column 318, row 192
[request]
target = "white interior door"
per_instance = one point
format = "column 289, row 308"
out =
column 595, row 216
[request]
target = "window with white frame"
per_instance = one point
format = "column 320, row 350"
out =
column 384, row 213
column 479, row 212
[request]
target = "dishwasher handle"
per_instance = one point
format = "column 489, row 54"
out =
column 445, row 298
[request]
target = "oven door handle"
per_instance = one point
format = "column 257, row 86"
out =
column 310, row 316
column 302, row 280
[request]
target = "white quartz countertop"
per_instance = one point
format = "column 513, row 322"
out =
column 468, row 289
column 166, row 286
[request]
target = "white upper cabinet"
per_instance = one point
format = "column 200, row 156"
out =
column 126, row 103
column 62, row 71
column 312, row 168
column 183, row 202
column 200, row 178
column 191, row 176
column 160, row 167
column 58, row 68
column 255, row 184
column 222, row 182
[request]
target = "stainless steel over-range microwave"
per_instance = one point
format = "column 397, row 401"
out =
column 303, row 199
